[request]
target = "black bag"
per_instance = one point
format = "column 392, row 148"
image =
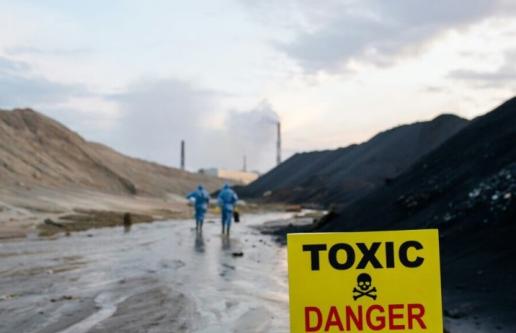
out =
column 236, row 216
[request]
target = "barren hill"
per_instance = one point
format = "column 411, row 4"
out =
column 48, row 170
column 38, row 151
column 345, row 174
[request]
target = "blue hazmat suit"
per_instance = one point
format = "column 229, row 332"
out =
column 202, row 200
column 227, row 200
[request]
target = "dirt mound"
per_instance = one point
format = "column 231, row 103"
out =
column 469, row 177
column 49, row 172
column 466, row 188
column 345, row 174
column 38, row 151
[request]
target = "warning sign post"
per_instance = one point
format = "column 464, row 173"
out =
column 365, row 282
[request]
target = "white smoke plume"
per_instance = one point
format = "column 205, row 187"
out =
column 157, row 115
column 256, row 133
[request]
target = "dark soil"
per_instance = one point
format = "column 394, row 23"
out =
column 343, row 175
column 467, row 189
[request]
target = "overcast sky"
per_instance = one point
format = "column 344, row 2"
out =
column 140, row 76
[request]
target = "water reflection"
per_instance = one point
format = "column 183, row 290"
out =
column 226, row 242
column 199, row 242
column 225, row 288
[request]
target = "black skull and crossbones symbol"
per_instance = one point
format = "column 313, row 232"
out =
column 364, row 284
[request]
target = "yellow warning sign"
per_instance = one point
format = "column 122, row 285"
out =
column 365, row 282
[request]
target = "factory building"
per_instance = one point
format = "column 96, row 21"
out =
column 242, row 177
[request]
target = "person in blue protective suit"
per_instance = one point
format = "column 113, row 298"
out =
column 202, row 200
column 227, row 200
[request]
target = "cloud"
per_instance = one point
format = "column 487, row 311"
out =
column 254, row 133
column 19, row 87
column 31, row 50
column 433, row 89
column 8, row 66
column 497, row 78
column 149, row 118
column 155, row 115
column 503, row 75
column 377, row 31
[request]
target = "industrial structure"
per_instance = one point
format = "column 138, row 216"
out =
column 182, row 154
column 240, row 177
column 278, row 144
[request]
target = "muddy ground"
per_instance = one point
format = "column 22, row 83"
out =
column 158, row 277
column 163, row 277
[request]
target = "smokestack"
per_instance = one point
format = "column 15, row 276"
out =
column 245, row 164
column 278, row 145
column 182, row 154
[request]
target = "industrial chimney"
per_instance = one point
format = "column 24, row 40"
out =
column 278, row 145
column 182, row 154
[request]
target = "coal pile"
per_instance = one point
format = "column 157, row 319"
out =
column 466, row 188
column 495, row 195
column 343, row 175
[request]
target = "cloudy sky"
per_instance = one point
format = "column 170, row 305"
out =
column 140, row 76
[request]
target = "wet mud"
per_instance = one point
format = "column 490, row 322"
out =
column 160, row 277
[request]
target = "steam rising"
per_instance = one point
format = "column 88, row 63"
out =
column 157, row 115
column 256, row 133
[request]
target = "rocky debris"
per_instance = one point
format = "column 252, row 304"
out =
column 419, row 200
column 454, row 313
column 494, row 194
